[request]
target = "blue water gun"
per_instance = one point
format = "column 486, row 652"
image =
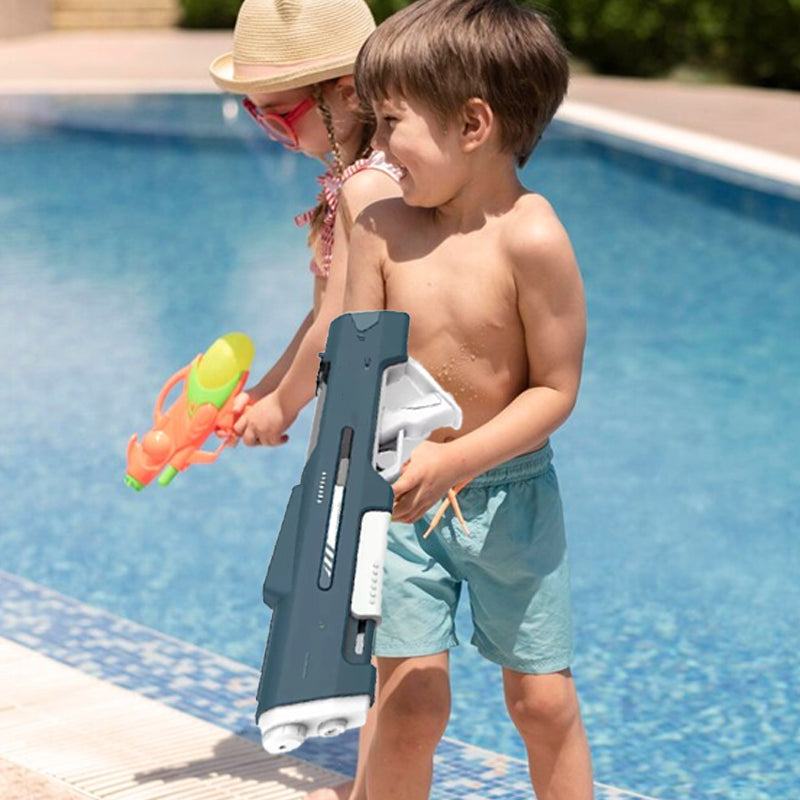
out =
column 374, row 405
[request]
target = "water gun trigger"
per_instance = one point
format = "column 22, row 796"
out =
column 228, row 417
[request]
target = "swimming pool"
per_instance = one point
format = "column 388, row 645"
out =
column 134, row 230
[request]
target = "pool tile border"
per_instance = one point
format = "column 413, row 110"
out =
column 220, row 690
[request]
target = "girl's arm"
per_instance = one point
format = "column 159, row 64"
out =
column 298, row 385
column 275, row 374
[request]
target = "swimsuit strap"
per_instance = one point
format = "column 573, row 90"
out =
column 331, row 189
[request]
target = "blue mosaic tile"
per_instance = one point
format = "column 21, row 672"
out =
column 219, row 690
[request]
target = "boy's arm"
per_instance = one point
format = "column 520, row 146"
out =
column 551, row 305
column 552, row 309
column 365, row 289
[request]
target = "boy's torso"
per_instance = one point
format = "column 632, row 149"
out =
column 460, row 293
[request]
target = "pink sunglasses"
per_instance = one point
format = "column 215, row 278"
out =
column 279, row 126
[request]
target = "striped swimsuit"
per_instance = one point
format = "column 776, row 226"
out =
column 331, row 188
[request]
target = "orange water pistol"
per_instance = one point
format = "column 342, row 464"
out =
column 211, row 383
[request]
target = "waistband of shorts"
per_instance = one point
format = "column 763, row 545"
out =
column 528, row 465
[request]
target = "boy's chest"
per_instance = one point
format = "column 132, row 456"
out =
column 472, row 285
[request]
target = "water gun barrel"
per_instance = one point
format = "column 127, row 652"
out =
column 204, row 406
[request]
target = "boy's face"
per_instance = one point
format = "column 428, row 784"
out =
column 428, row 155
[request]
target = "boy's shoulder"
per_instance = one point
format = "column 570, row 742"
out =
column 534, row 211
column 533, row 228
column 387, row 215
column 537, row 245
column 366, row 187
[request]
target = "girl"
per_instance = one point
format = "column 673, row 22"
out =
column 293, row 60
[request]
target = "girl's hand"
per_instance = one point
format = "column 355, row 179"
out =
column 240, row 403
column 263, row 423
column 425, row 479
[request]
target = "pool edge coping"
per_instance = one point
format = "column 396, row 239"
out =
column 717, row 150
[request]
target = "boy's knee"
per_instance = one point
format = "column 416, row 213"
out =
column 415, row 732
column 414, row 715
column 538, row 704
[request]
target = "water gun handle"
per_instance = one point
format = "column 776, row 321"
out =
column 412, row 406
column 180, row 375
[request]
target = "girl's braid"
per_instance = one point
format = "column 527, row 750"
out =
column 325, row 111
column 320, row 211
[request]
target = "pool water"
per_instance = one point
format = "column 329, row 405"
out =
column 135, row 230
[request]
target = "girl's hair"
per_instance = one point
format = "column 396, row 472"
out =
column 364, row 148
column 445, row 52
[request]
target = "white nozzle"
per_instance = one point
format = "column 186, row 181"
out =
column 283, row 728
column 332, row 727
column 283, row 738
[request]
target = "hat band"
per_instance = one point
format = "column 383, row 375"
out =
column 252, row 71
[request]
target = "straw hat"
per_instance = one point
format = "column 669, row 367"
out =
column 285, row 44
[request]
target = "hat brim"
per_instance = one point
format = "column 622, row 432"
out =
column 222, row 72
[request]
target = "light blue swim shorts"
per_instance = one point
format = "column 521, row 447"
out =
column 514, row 562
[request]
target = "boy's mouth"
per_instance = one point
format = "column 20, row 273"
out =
column 402, row 172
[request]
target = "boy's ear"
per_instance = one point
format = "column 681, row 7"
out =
column 477, row 123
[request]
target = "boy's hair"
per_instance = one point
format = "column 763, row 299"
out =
column 444, row 52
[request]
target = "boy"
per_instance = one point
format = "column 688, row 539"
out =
column 462, row 90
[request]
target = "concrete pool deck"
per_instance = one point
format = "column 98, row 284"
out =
column 759, row 124
column 178, row 60
column 746, row 129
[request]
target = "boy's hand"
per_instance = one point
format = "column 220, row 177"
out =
column 263, row 423
column 425, row 479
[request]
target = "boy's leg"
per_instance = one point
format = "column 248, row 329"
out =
column 544, row 709
column 357, row 788
column 413, row 710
